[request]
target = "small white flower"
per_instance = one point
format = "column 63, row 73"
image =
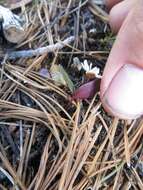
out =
column 87, row 67
column 96, row 71
column 91, row 72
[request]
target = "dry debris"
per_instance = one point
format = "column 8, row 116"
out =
column 47, row 141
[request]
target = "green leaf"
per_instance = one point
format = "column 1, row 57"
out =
column 60, row 76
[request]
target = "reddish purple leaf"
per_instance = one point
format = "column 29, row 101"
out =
column 87, row 90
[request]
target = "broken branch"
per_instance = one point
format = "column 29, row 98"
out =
column 39, row 51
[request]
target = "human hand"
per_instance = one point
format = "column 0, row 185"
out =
column 122, row 83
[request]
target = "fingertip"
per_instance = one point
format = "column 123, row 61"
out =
column 115, row 19
column 110, row 3
column 123, row 97
column 118, row 13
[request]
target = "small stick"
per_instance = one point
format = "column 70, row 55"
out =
column 39, row 51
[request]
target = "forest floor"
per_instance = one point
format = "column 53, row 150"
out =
column 53, row 134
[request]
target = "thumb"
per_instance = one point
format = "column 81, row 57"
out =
column 122, row 83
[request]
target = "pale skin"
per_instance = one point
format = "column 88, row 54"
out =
column 122, row 84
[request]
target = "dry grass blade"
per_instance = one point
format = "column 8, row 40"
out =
column 83, row 158
column 28, row 152
column 91, row 169
column 42, row 167
column 22, row 159
column 138, row 179
column 126, row 141
column 12, row 172
column 70, row 147
column 9, row 177
column 98, row 11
